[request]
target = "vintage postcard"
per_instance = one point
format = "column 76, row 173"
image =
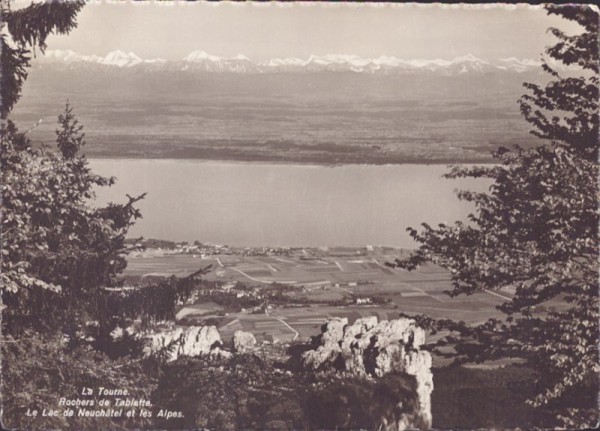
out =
column 299, row 215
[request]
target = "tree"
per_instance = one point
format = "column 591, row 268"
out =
column 70, row 137
column 60, row 255
column 58, row 250
column 28, row 29
column 536, row 232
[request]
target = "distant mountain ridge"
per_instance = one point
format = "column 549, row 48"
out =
column 205, row 62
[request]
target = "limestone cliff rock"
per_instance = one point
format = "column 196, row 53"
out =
column 191, row 341
column 330, row 349
column 371, row 348
column 243, row 342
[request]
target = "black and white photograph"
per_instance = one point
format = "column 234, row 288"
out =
column 299, row 215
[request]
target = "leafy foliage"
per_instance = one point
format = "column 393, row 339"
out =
column 467, row 398
column 62, row 257
column 58, row 251
column 38, row 371
column 565, row 111
column 139, row 306
column 251, row 392
column 536, row 232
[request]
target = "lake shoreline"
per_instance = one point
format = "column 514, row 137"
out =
column 449, row 162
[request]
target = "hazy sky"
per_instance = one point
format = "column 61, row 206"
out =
column 263, row 31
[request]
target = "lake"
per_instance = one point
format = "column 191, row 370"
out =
column 255, row 204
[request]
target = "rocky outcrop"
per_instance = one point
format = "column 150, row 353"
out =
column 372, row 348
column 330, row 349
column 190, row 341
column 243, row 342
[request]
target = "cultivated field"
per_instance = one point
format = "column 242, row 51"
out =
column 320, row 277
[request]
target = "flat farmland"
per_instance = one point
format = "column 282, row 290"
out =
column 319, row 280
column 319, row 118
column 179, row 265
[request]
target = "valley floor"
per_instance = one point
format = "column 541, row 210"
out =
column 317, row 284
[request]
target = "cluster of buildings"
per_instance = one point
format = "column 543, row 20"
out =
column 205, row 250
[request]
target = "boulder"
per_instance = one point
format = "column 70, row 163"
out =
column 333, row 330
column 190, row 341
column 372, row 348
column 243, row 342
column 329, row 350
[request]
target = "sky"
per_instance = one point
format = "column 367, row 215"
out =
column 263, row 31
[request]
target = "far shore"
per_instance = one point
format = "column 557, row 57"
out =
column 298, row 162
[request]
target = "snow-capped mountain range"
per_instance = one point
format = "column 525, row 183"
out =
column 202, row 61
